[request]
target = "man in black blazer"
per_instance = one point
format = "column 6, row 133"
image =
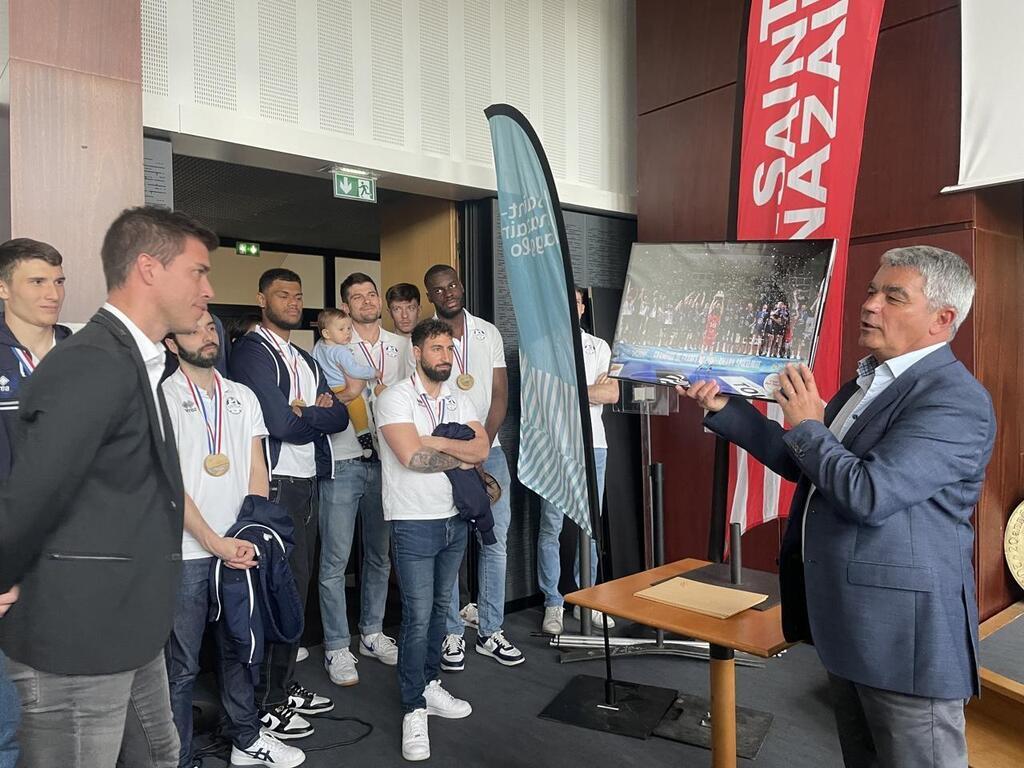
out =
column 91, row 518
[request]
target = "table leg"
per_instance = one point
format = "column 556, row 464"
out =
column 723, row 707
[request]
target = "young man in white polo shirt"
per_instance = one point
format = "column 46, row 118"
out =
column 428, row 535
column 601, row 391
column 355, row 492
column 218, row 429
column 479, row 372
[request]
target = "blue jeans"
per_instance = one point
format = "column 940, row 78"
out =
column 491, row 562
column 10, row 711
column 427, row 558
column 354, row 491
column 549, row 565
column 182, row 655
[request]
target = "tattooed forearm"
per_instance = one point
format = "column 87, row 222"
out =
column 430, row 460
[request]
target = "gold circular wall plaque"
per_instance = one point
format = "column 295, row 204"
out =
column 1013, row 544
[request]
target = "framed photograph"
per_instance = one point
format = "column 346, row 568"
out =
column 733, row 312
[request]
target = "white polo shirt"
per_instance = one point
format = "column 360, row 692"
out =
column 486, row 351
column 412, row 495
column 597, row 358
column 390, row 353
column 294, row 460
column 218, row 498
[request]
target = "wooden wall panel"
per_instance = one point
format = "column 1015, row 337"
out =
column 901, row 11
column 665, row 28
column 76, row 162
column 999, row 354
column 684, row 186
column 99, row 37
column 911, row 140
column 416, row 232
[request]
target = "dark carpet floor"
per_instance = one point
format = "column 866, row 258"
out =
column 504, row 730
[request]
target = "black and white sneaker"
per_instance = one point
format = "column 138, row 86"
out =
column 305, row 702
column 499, row 648
column 267, row 751
column 453, row 653
column 283, row 723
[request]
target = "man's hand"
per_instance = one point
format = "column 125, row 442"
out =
column 326, row 400
column 799, row 396
column 706, row 393
column 378, row 389
column 234, row 552
column 7, row 599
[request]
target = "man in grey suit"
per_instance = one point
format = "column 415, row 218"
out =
column 876, row 565
column 91, row 517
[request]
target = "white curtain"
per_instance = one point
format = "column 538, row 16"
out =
column 992, row 99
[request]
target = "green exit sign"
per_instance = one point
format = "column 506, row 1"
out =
column 247, row 249
column 355, row 187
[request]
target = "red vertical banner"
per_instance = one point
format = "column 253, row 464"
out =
column 808, row 73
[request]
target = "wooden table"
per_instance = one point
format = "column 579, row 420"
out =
column 755, row 632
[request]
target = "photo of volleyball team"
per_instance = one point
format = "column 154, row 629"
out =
column 733, row 312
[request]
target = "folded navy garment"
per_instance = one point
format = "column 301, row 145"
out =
column 468, row 487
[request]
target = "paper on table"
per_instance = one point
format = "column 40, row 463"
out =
column 720, row 602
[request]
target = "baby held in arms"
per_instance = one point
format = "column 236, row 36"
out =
column 345, row 373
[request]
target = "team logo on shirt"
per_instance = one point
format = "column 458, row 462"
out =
column 5, row 384
column 189, row 407
column 391, row 350
column 479, row 333
column 589, row 348
column 233, row 405
column 449, row 404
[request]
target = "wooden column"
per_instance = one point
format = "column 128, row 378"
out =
column 416, row 232
column 75, row 128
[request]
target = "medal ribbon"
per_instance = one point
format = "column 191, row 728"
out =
column 214, row 434
column 26, row 360
column 462, row 357
column 290, row 358
column 442, row 409
column 369, row 358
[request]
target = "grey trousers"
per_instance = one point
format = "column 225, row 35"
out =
column 96, row 721
column 884, row 729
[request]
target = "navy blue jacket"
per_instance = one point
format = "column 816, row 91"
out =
column 880, row 572
column 261, row 604
column 12, row 377
column 255, row 363
column 468, row 489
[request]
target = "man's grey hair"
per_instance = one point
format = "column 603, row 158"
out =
column 948, row 281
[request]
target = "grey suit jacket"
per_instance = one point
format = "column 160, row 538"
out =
column 887, row 547
column 91, row 517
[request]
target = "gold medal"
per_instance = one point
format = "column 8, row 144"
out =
column 298, row 402
column 465, row 381
column 216, row 464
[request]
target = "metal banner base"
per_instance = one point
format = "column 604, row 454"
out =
column 635, row 710
column 688, row 721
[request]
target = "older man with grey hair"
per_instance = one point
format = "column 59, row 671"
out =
column 876, row 561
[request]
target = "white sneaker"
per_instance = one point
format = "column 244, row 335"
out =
column 415, row 739
column 552, row 623
column 379, row 646
column 302, row 654
column 470, row 616
column 443, row 704
column 453, row 653
column 595, row 617
column 341, row 667
column 499, row 648
column 267, row 750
